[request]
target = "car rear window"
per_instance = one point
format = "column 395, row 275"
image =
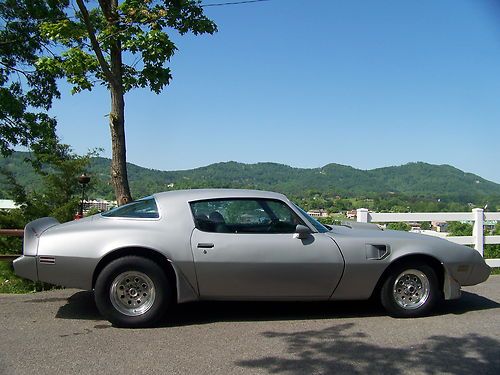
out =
column 143, row 209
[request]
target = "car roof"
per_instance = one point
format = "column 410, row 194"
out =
column 201, row 194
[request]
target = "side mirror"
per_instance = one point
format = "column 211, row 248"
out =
column 302, row 232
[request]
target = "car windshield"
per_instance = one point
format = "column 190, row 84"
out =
column 143, row 209
column 315, row 223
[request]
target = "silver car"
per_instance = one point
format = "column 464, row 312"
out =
column 223, row 244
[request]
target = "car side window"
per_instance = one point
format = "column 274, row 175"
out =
column 244, row 216
column 142, row 209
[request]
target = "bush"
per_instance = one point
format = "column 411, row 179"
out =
column 399, row 226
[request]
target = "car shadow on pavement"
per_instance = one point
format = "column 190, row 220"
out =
column 341, row 349
column 468, row 302
column 81, row 305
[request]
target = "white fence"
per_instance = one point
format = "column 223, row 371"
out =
column 477, row 217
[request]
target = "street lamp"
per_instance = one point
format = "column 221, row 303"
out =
column 82, row 180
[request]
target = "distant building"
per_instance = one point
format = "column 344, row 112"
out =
column 352, row 214
column 99, row 204
column 439, row 226
column 318, row 213
column 8, row 204
column 415, row 227
column 490, row 224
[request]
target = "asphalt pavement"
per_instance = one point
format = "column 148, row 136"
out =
column 61, row 332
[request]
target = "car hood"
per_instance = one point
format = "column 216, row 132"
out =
column 369, row 233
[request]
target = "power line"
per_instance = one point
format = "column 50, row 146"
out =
column 233, row 3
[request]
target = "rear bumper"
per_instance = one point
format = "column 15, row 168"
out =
column 65, row 271
column 25, row 266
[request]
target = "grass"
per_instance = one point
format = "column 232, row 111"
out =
column 10, row 283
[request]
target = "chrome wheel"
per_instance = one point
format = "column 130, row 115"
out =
column 411, row 289
column 132, row 293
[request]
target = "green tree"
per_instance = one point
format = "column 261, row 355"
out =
column 59, row 193
column 456, row 228
column 121, row 45
column 398, row 226
column 425, row 225
column 26, row 92
column 493, row 251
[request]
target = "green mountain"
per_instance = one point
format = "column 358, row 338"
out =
column 422, row 179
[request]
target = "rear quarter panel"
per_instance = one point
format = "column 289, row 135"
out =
column 79, row 246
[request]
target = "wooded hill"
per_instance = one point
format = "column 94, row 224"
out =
column 422, row 179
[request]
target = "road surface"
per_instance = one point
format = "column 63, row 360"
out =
column 61, row 332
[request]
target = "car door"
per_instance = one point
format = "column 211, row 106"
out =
column 247, row 249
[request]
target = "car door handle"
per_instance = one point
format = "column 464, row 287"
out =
column 205, row 245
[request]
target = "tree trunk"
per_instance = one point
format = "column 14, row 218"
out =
column 119, row 176
column 113, row 74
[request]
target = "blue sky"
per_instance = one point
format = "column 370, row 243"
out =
column 311, row 82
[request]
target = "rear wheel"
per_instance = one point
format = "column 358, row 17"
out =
column 133, row 292
column 410, row 290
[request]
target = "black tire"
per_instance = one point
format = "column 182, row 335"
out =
column 418, row 287
column 119, row 283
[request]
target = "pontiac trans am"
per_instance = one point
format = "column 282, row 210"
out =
column 223, row 244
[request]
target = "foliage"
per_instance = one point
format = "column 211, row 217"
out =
column 493, row 251
column 425, row 225
column 58, row 193
column 13, row 219
column 398, row 226
column 456, row 228
column 299, row 184
column 26, row 92
column 120, row 45
column 140, row 29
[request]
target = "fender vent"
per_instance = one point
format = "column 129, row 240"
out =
column 376, row 252
column 46, row 260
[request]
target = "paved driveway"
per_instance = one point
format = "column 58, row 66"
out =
column 60, row 332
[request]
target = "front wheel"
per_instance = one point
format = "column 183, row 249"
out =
column 133, row 292
column 410, row 291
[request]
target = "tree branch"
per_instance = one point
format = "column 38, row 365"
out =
column 106, row 9
column 95, row 44
column 16, row 70
column 48, row 49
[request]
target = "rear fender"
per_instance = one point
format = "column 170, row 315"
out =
column 32, row 233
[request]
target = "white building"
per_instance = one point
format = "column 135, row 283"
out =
column 318, row 213
column 8, row 204
column 352, row 214
column 99, row 204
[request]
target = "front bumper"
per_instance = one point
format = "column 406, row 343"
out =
column 480, row 273
column 25, row 266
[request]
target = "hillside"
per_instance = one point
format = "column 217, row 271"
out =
column 413, row 179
